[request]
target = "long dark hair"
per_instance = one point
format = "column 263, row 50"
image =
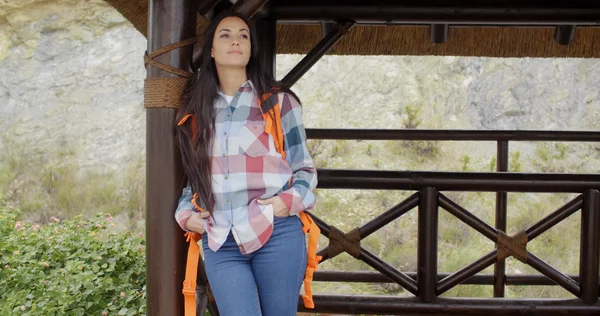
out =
column 198, row 100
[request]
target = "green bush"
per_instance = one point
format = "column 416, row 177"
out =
column 71, row 267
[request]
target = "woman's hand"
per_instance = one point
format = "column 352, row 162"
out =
column 196, row 222
column 279, row 207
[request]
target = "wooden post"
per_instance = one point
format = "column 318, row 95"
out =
column 590, row 246
column 267, row 37
column 169, row 22
column 501, row 216
column 427, row 249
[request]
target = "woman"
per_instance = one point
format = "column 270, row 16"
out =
column 249, row 188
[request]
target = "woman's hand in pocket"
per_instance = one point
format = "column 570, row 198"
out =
column 279, row 207
column 196, row 222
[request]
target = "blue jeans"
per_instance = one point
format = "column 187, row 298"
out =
column 264, row 283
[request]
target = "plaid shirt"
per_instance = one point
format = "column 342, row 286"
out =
column 246, row 167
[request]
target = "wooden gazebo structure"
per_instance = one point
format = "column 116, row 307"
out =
column 496, row 28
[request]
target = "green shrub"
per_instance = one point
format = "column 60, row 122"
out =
column 514, row 165
column 53, row 183
column 71, row 267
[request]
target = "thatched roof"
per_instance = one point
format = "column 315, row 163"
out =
column 517, row 37
column 407, row 40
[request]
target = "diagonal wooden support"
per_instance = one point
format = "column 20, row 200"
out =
column 467, row 272
column 206, row 6
column 365, row 230
column 248, row 7
column 515, row 246
column 350, row 242
column 341, row 29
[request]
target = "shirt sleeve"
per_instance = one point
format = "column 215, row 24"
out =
column 185, row 208
column 300, row 195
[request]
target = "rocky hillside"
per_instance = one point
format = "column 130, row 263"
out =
column 72, row 75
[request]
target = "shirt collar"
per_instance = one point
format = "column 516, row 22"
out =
column 246, row 87
column 250, row 84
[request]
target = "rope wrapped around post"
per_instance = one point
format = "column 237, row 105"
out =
column 515, row 246
column 340, row 242
column 166, row 92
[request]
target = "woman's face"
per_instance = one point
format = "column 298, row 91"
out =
column 231, row 44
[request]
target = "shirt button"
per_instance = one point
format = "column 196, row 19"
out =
column 224, row 155
column 226, row 177
column 227, row 200
column 225, row 133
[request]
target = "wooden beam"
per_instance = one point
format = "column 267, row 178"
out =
column 564, row 34
column 438, row 33
column 548, row 15
column 326, row 28
column 248, row 7
column 205, row 6
column 395, row 305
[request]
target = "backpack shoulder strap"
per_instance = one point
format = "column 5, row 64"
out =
column 270, row 107
column 271, row 110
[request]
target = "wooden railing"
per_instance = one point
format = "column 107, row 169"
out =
column 426, row 284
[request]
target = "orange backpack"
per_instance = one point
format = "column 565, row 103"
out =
column 271, row 111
